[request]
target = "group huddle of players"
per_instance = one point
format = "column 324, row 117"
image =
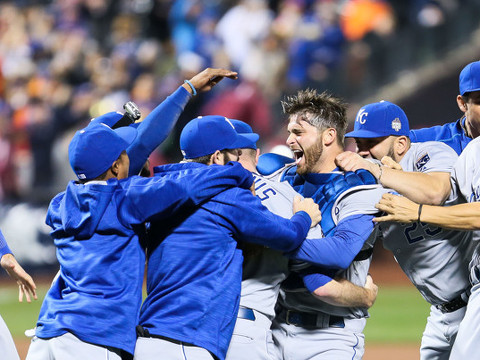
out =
column 255, row 256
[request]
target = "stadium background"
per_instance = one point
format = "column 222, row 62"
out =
column 63, row 62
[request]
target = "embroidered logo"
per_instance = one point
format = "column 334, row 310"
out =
column 396, row 124
column 362, row 116
column 422, row 162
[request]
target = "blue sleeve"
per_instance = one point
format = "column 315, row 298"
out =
column 4, row 249
column 338, row 250
column 256, row 224
column 156, row 126
column 161, row 196
column 316, row 280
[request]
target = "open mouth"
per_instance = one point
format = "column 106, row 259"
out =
column 298, row 156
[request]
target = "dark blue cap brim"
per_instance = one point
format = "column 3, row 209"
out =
column 245, row 141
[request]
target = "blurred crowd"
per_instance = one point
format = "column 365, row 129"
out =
column 63, row 62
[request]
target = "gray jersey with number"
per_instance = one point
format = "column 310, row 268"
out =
column 434, row 259
column 357, row 200
column 265, row 268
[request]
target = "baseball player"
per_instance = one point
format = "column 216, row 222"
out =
column 462, row 217
column 195, row 265
column 459, row 133
column 434, row 259
column 265, row 268
column 307, row 327
column 26, row 288
column 91, row 310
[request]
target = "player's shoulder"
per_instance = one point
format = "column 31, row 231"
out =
column 273, row 166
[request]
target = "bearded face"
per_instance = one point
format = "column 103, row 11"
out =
column 306, row 144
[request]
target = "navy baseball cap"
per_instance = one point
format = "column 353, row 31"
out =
column 93, row 149
column 469, row 79
column 380, row 119
column 206, row 134
column 243, row 128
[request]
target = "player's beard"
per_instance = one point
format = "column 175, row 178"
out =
column 311, row 157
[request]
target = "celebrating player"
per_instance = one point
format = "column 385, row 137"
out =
column 195, row 265
column 461, row 217
column 264, row 268
column 91, row 310
column 305, row 325
column 435, row 260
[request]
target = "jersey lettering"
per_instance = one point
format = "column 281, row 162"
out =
column 413, row 235
column 262, row 192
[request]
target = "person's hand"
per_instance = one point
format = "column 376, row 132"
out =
column 309, row 206
column 350, row 161
column 26, row 286
column 372, row 290
column 392, row 164
column 208, row 78
column 398, row 209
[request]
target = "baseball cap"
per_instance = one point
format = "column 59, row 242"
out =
column 206, row 134
column 380, row 119
column 469, row 79
column 243, row 128
column 94, row 148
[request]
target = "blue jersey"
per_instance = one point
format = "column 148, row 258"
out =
column 98, row 293
column 195, row 264
column 452, row 134
column 4, row 249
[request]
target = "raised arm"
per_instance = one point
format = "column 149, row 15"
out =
column 156, row 126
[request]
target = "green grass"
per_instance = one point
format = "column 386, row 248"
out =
column 20, row 316
column 398, row 316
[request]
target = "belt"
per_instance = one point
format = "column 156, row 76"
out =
column 246, row 313
column 453, row 305
column 310, row 320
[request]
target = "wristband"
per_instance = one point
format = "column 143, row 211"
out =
column 381, row 172
column 419, row 212
column 194, row 91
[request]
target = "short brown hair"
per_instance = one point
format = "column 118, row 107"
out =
column 327, row 111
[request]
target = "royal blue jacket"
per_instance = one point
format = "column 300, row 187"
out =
column 195, row 265
column 452, row 134
column 98, row 294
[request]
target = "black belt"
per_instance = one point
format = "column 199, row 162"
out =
column 308, row 320
column 453, row 305
column 246, row 313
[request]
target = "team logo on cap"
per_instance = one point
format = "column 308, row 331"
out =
column 362, row 116
column 396, row 124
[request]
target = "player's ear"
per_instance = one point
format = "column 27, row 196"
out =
column 217, row 158
column 329, row 136
column 462, row 105
column 401, row 145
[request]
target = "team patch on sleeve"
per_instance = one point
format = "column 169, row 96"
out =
column 422, row 162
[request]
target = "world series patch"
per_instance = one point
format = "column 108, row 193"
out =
column 422, row 162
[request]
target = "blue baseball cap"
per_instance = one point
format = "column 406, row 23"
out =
column 380, row 119
column 243, row 128
column 469, row 79
column 206, row 134
column 93, row 149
